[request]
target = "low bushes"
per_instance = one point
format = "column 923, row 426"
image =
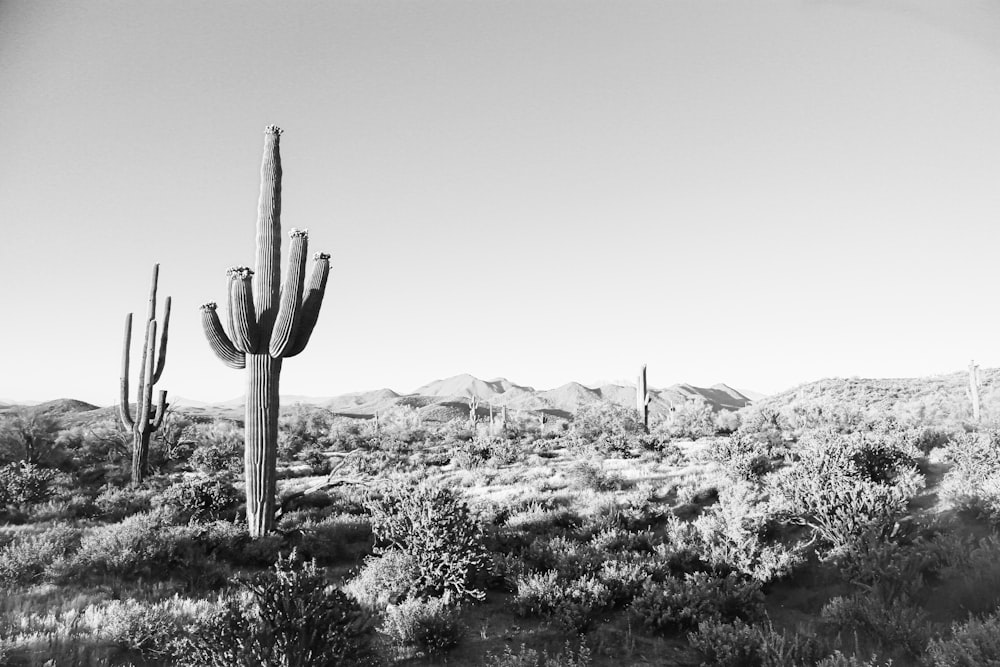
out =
column 287, row 616
column 435, row 528
column 681, row 603
column 431, row 624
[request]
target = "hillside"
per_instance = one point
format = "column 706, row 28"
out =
column 940, row 395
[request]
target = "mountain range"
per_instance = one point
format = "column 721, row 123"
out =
column 445, row 399
column 449, row 398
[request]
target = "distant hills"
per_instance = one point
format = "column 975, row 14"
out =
column 442, row 397
column 449, row 398
column 922, row 394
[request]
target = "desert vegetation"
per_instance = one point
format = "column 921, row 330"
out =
column 804, row 530
column 846, row 522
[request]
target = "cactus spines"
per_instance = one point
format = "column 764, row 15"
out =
column 146, row 420
column 973, row 390
column 268, row 322
column 642, row 398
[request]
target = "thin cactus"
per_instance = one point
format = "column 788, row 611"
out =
column 473, row 407
column 973, row 390
column 268, row 322
column 146, row 421
column 642, row 398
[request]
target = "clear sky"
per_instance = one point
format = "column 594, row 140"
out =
column 757, row 193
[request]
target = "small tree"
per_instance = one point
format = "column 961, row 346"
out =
column 28, row 435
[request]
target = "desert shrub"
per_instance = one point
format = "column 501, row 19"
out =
column 153, row 630
column 529, row 657
column 586, row 475
column 734, row 534
column 726, row 422
column 104, row 441
column 384, row 579
column 434, row 526
column 306, row 427
column 570, row 604
column 143, row 545
column 838, row 659
column 289, row 615
column 844, row 487
column 485, row 450
column 27, row 557
column 200, row 499
column 23, row 484
column 218, row 447
column 569, row 557
column 692, row 419
column 971, row 644
column 431, row 624
column 331, row 539
column 973, row 483
column 893, row 624
column 971, row 573
column 607, row 427
column 114, row 503
column 678, row 604
column 741, row 457
column 765, row 425
column 231, row 543
column 738, row 644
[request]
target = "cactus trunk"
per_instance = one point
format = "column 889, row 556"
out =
column 260, row 454
column 642, row 399
column 974, row 390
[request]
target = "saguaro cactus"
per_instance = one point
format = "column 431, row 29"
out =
column 268, row 322
column 473, row 407
column 973, row 390
column 146, row 421
column 642, row 398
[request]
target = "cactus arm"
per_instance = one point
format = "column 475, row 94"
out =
column 161, row 410
column 241, row 312
column 218, row 340
column 267, row 276
column 283, row 335
column 312, row 299
column 161, row 360
column 123, row 406
column 146, row 397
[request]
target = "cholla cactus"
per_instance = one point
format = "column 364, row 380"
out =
column 146, row 421
column 642, row 398
column 268, row 322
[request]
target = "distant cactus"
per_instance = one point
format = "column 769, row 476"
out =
column 268, row 322
column 145, row 422
column 973, row 390
column 642, row 398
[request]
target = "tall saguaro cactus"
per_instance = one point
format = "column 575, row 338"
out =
column 268, row 322
column 145, row 422
column 973, row 390
column 642, row 398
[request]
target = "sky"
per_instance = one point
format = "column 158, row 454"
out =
column 762, row 194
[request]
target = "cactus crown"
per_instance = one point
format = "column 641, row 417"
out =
column 273, row 129
column 239, row 272
column 293, row 232
column 211, row 305
column 321, row 255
